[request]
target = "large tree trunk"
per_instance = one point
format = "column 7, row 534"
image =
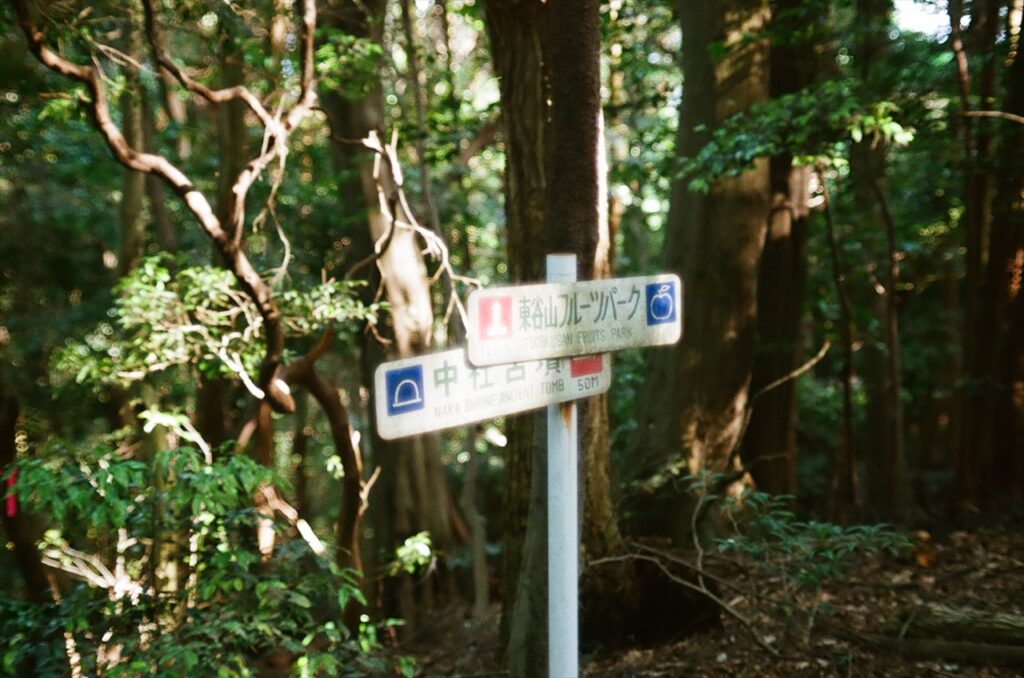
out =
column 1005, row 303
column 977, row 412
column 576, row 221
column 574, row 209
column 516, row 31
column 695, row 394
column 769, row 447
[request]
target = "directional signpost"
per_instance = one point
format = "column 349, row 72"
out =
column 528, row 347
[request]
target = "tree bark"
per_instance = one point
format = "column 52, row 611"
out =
column 769, row 446
column 977, row 411
column 212, row 411
column 1003, row 304
column 165, row 229
column 133, row 190
column 600, row 530
column 575, row 221
column 885, row 443
column 695, row 394
column 516, row 30
column 845, row 504
column 413, row 494
column 418, row 82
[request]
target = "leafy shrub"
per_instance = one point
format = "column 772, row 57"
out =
column 196, row 317
column 170, row 580
column 800, row 553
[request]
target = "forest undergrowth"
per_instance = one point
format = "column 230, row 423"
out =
column 873, row 621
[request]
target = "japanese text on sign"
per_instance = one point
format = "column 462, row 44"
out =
column 443, row 390
column 555, row 320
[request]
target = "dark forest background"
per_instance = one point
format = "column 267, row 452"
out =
column 219, row 217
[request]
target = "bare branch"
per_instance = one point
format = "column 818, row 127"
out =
column 748, row 411
column 701, row 589
column 288, row 511
column 794, row 374
column 434, row 246
column 213, row 96
column 251, row 282
column 1012, row 117
column 483, row 138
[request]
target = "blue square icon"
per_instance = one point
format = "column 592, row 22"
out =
column 403, row 389
column 661, row 303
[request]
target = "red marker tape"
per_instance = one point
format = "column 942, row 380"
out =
column 581, row 367
column 12, row 501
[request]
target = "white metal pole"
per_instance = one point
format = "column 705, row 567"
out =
column 563, row 535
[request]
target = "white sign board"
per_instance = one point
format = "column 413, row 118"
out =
column 535, row 322
column 442, row 390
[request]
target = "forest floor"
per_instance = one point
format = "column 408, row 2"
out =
column 864, row 624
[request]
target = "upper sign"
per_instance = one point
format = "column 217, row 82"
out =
column 442, row 390
column 534, row 322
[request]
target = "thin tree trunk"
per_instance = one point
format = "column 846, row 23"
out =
column 166, row 539
column 300, row 451
column 885, row 460
column 845, row 494
column 1004, row 282
column 174, row 105
column 353, row 119
column 1016, row 391
column 165, row 230
column 418, row 81
column 352, row 504
column 133, row 189
column 478, row 533
column 894, row 362
column 213, row 419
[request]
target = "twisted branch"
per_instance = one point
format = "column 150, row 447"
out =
column 277, row 128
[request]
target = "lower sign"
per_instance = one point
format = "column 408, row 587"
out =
column 442, row 390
